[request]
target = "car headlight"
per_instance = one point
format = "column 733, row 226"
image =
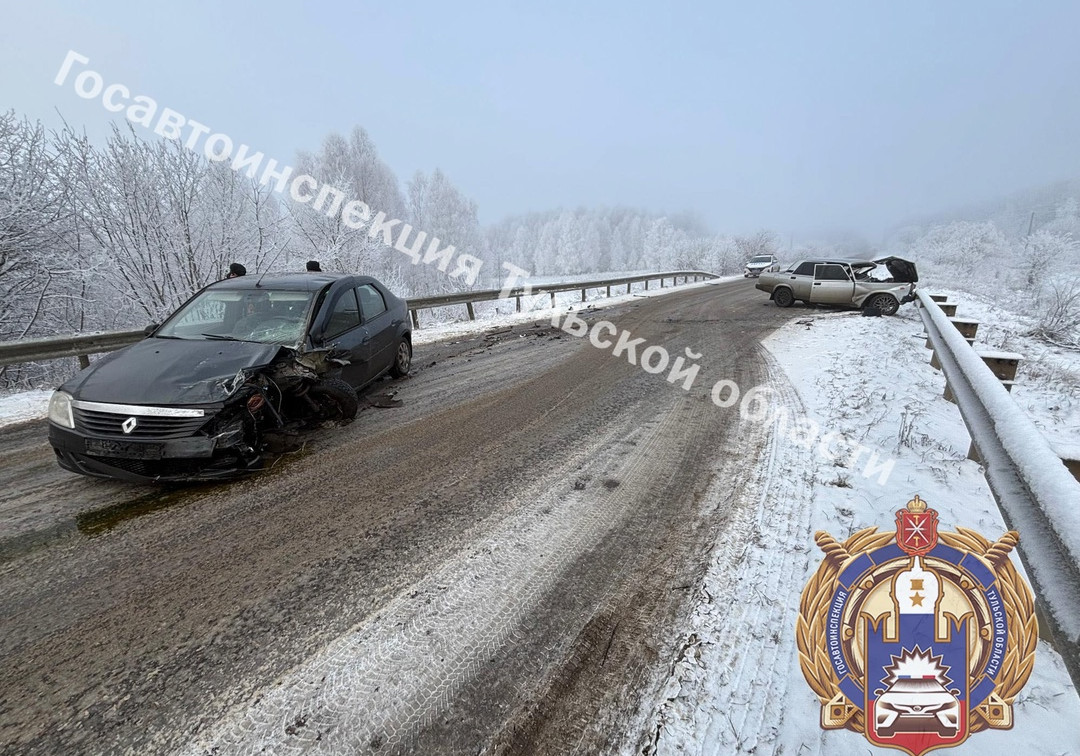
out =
column 60, row 409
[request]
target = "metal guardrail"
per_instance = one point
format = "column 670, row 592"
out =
column 1036, row 493
column 17, row 352
column 468, row 298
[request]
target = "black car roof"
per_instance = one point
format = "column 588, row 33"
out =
column 293, row 281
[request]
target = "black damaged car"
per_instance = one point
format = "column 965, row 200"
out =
column 230, row 378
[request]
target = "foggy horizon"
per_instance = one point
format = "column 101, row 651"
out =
column 807, row 122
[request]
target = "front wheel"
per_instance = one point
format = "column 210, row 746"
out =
column 783, row 297
column 886, row 304
column 337, row 400
column 402, row 359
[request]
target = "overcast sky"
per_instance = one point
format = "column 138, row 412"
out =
column 797, row 117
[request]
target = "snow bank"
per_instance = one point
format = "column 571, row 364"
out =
column 18, row 408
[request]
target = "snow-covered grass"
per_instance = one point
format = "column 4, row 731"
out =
column 738, row 687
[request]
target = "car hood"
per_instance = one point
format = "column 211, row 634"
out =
column 758, row 265
column 169, row 371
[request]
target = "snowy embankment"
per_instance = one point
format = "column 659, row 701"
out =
column 28, row 405
column 737, row 686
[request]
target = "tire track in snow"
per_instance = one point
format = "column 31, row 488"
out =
column 720, row 695
column 375, row 686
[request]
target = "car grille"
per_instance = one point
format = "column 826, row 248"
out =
column 99, row 423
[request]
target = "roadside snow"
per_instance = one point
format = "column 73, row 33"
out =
column 19, row 408
column 503, row 312
column 737, row 687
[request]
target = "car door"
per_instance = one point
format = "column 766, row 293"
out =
column 799, row 280
column 380, row 326
column 343, row 329
column 832, row 284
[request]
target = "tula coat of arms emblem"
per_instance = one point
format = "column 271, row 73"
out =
column 916, row 638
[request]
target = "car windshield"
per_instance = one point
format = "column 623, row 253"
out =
column 761, row 259
column 266, row 316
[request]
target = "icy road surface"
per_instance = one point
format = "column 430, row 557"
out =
column 498, row 563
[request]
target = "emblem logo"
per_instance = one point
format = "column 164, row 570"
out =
column 129, row 425
column 915, row 638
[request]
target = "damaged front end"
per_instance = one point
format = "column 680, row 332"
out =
column 236, row 424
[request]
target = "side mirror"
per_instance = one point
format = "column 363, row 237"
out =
column 150, row 329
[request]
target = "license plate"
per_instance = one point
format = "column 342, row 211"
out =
column 123, row 449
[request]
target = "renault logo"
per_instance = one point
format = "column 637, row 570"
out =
column 129, row 425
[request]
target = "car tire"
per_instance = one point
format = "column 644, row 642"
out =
column 884, row 303
column 402, row 359
column 336, row 398
column 783, row 297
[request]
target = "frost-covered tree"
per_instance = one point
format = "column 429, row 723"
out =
column 353, row 168
column 40, row 242
column 439, row 210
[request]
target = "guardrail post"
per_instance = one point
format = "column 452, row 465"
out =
column 84, row 361
column 582, row 295
column 949, row 308
column 628, row 288
column 661, row 282
column 967, row 328
column 940, row 297
column 646, row 284
column 552, row 299
column 1074, row 467
column 948, row 395
column 1003, row 365
column 469, row 307
column 517, row 300
column 609, row 290
column 415, row 319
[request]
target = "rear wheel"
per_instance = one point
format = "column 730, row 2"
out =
column 336, row 399
column 783, row 297
column 402, row 359
column 885, row 303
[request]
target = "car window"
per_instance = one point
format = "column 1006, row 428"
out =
column 371, row 301
column 805, row 269
column 344, row 316
column 831, row 273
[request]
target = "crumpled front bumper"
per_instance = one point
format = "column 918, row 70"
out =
column 179, row 460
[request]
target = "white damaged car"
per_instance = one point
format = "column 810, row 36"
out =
column 880, row 285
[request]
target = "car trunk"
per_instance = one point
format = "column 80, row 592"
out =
column 902, row 271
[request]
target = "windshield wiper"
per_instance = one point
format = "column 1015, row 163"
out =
column 220, row 336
